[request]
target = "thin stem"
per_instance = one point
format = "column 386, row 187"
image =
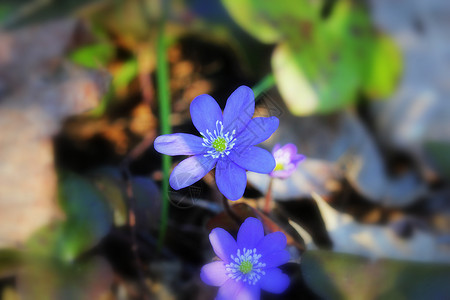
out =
column 162, row 78
column 131, row 221
column 263, row 85
column 268, row 199
column 230, row 212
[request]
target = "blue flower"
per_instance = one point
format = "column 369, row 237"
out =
column 287, row 160
column 226, row 143
column 248, row 264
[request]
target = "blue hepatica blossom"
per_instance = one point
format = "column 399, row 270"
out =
column 287, row 160
column 226, row 143
column 248, row 264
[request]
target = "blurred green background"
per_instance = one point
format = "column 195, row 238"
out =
column 361, row 88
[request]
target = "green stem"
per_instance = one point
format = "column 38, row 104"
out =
column 263, row 85
column 162, row 78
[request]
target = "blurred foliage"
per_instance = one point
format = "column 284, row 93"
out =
column 21, row 13
column 51, row 265
column 89, row 217
column 326, row 55
column 10, row 259
column 44, row 278
column 271, row 21
column 321, row 64
column 109, row 182
column 343, row 276
column 93, row 56
column 439, row 152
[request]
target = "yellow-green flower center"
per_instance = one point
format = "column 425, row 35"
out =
column 246, row 267
column 219, row 144
column 279, row 166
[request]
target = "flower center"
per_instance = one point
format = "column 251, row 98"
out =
column 220, row 144
column 217, row 142
column 279, row 166
column 283, row 159
column 245, row 266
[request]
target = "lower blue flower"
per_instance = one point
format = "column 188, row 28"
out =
column 226, row 143
column 248, row 264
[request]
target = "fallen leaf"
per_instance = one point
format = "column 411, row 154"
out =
column 376, row 241
column 343, row 276
column 311, row 175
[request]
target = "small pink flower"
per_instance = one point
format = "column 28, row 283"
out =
column 287, row 160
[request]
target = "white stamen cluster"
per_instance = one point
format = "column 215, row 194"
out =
column 245, row 266
column 282, row 157
column 219, row 144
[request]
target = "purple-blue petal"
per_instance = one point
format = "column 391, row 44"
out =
column 250, row 233
column 257, row 130
column 205, row 112
column 223, row 244
column 229, row 290
column 275, row 148
column 296, row 159
column 231, row 179
column 233, row 290
column 253, row 159
column 275, row 258
column 239, row 109
column 274, row 281
column 273, row 242
column 214, row 273
column 179, row 144
column 289, row 148
column 191, row 170
column 285, row 173
column 248, row 292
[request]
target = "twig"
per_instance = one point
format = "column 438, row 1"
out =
column 230, row 212
column 268, row 198
column 131, row 221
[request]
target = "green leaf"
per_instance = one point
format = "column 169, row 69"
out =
column 88, row 216
column 125, row 74
column 342, row 276
column 321, row 72
column 383, row 68
column 271, row 21
column 311, row 84
column 93, row 56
